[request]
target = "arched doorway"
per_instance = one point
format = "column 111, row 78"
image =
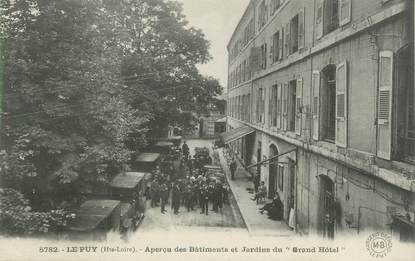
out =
column 273, row 171
column 326, row 207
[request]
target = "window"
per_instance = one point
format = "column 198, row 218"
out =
column 404, row 100
column 276, row 47
column 331, row 15
column 292, row 99
column 328, row 103
column 279, row 106
column 262, row 14
column 260, row 105
column 294, row 34
column 263, row 62
column 274, row 105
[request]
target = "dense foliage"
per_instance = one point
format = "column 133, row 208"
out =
column 86, row 83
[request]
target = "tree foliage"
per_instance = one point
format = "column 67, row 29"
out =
column 17, row 217
column 86, row 83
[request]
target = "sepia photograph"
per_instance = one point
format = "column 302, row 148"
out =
column 207, row 130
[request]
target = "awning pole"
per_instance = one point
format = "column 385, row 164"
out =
column 274, row 157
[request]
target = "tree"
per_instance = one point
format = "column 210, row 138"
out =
column 86, row 83
column 66, row 117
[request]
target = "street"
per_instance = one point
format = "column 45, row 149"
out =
column 230, row 216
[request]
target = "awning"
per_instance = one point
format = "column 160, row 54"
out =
column 237, row 133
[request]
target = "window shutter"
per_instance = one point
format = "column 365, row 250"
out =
column 281, row 44
column 385, row 94
column 285, row 107
column 271, row 50
column 270, row 105
column 316, row 104
column 264, row 94
column 279, row 106
column 345, row 11
column 274, row 109
column 319, row 19
column 265, row 56
column 298, row 105
column 341, row 105
column 301, row 29
column 287, row 39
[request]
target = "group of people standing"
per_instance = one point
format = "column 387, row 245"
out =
column 192, row 191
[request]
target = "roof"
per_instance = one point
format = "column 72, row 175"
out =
column 91, row 213
column 237, row 133
column 127, row 179
column 148, row 157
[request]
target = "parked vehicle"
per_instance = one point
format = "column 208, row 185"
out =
column 146, row 162
column 130, row 189
column 94, row 220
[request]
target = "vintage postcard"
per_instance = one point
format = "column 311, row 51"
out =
column 207, row 130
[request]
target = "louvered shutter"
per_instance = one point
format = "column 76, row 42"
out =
column 270, row 106
column 271, row 50
column 264, row 94
column 287, row 40
column 316, row 105
column 385, row 92
column 274, row 108
column 285, row 107
column 279, row 106
column 341, row 105
column 298, row 105
column 319, row 19
column 265, row 58
column 345, row 11
column 281, row 44
column 301, row 29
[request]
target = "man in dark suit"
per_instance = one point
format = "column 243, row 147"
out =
column 232, row 168
column 176, row 194
column 164, row 192
column 204, row 197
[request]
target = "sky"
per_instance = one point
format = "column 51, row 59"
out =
column 217, row 19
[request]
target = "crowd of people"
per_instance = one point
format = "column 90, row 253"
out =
column 189, row 186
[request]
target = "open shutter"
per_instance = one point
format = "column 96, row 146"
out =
column 270, row 102
column 279, row 107
column 287, row 39
column 285, row 107
column 298, row 105
column 265, row 58
column 345, row 11
column 385, row 92
column 271, row 50
column 264, row 94
column 280, row 57
column 301, row 30
column 316, row 105
column 341, row 105
column 319, row 19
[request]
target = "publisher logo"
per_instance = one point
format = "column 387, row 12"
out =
column 379, row 244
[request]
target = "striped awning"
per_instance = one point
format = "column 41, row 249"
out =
column 237, row 133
